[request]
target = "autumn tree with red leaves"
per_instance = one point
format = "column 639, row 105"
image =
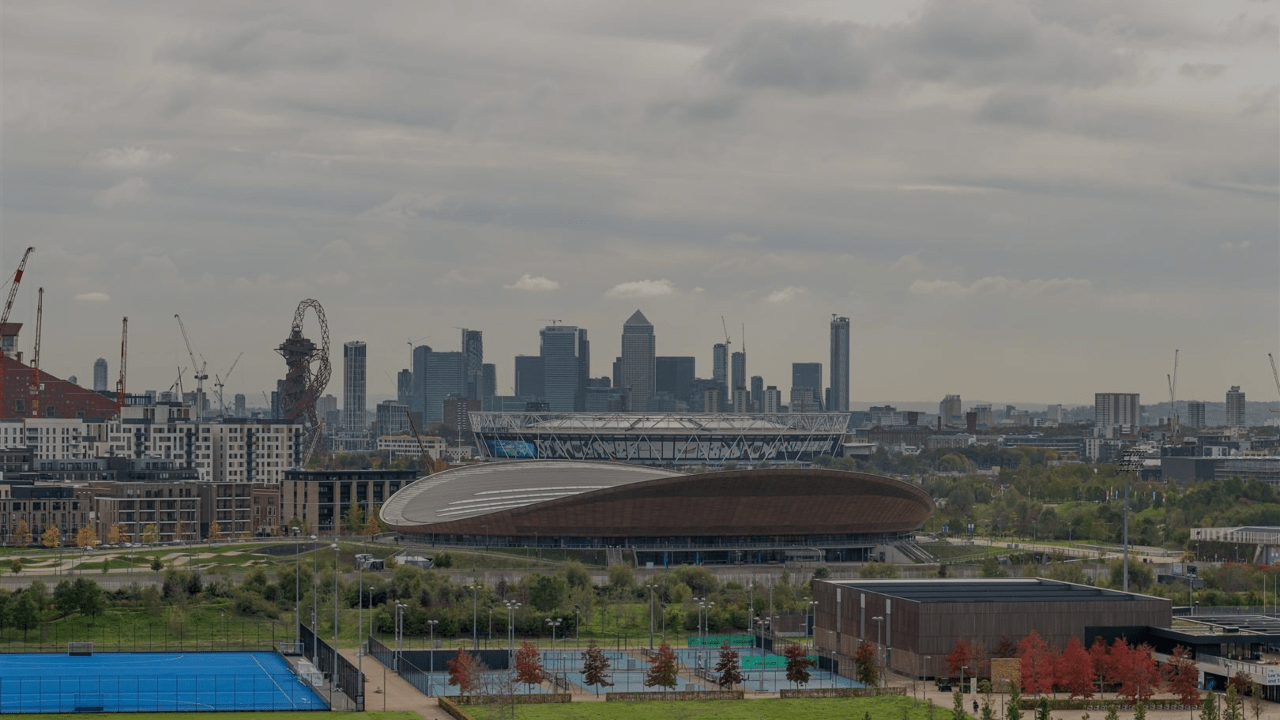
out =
column 464, row 671
column 1136, row 670
column 1036, row 662
column 1075, row 670
column 664, row 668
column 959, row 657
column 1101, row 660
column 1182, row 676
column 798, row 663
column 866, row 666
column 528, row 665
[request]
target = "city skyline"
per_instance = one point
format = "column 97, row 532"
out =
column 1023, row 201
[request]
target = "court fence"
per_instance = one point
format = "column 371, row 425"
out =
column 322, row 655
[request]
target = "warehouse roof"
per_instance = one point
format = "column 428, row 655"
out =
column 989, row 590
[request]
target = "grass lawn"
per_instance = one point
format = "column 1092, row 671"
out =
column 402, row 715
column 886, row 708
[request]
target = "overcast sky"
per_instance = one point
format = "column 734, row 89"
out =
column 1013, row 201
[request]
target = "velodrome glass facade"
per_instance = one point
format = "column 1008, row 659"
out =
column 665, row 440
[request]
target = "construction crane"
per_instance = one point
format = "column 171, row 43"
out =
column 8, row 307
column 1173, row 398
column 1275, row 375
column 220, row 382
column 124, row 354
column 425, row 464
column 553, row 321
column 727, row 342
column 198, row 369
column 177, row 384
column 35, row 357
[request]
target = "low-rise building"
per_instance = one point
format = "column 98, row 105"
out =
column 316, row 501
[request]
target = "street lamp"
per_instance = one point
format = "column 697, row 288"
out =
column 554, row 623
column 399, row 633
column 297, row 589
column 511, row 631
column 431, row 624
column 315, row 579
column 335, row 615
column 475, row 615
column 809, row 626
column 879, row 621
column 651, row 589
column 962, row 669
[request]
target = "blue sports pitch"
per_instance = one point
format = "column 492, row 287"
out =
column 142, row 682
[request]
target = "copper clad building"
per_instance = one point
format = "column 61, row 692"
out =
column 662, row 517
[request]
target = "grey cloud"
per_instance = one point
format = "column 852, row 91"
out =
column 807, row 56
column 1201, row 70
column 1261, row 100
column 254, row 48
column 1017, row 108
column 713, row 107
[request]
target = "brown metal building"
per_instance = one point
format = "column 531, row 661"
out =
column 662, row 516
column 920, row 620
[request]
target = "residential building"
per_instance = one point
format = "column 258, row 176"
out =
column 1235, row 408
column 801, row 400
column 391, row 418
column 456, row 415
column 1195, row 415
column 473, row 363
column 738, row 370
column 1116, row 413
column 317, row 500
column 639, row 361
column 720, row 370
column 741, row 400
column 951, row 410
column 771, row 401
column 839, row 401
column 100, row 375
column 353, row 386
column 239, row 410
column 757, row 394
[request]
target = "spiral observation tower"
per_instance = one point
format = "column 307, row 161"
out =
column 307, row 374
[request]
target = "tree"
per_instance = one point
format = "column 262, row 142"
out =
column 1241, row 681
column 22, row 534
column 798, row 663
column 1256, row 701
column 51, row 537
column 865, row 667
column 373, row 524
column 1042, row 709
column 528, row 665
column 959, row 657
column 1075, row 670
column 215, row 529
column 464, row 671
column 1101, row 659
column 1232, row 706
column 86, row 537
column 89, row 595
column 150, row 534
column 547, row 592
column 117, row 535
column 729, row 668
column 15, row 567
column 1014, row 711
column 1208, row 709
column 957, row 705
column 25, row 614
column 1037, row 661
column 1182, row 676
column 1136, row 670
column 663, row 668
column 353, row 518
column 65, row 597
column 595, row 667
column 156, row 565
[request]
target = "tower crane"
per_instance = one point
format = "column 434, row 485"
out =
column 1275, row 375
column 727, row 342
column 8, row 307
column 124, row 354
column 220, row 382
column 425, row 464
column 1173, row 398
column 198, row 370
column 35, row 358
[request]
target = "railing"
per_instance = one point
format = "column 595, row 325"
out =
column 350, row 680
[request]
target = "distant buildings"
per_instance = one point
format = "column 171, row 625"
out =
column 639, row 361
column 563, row 384
column 806, row 387
column 1116, row 413
column 353, row 386
column 1235, row 408
column 951, row 410
column 529, row 383
column 1195, row 415
column 100, row 375
column 839, row 401
column 675, row 375
column 473, row 364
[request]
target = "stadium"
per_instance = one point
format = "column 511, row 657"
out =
column 662, row 517
column 663, row 440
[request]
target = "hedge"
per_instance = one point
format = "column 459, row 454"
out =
column 683, row 695
column 840, row 692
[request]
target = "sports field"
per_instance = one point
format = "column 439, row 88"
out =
column 881, row 708
column 141, row 682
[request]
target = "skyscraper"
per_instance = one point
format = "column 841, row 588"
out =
column 404, row 387
column 639, row 364
column 100, row 375
column 675, row 375
column 529, row 384
column 839, row 365
column 584, row 370
column 473, row 354
column 738, row 369
column 560, row 367
column 436, row 376
column 951, row 410
column 1111, row 410
column 720, row 372
column 757, row 394
column 806, row 375
column 1235, row 408
column 353, row 385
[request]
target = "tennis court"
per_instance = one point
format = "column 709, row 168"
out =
column 142, row 682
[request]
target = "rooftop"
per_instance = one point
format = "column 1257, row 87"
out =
column 992, row 590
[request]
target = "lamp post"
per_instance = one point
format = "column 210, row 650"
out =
column 810, row 631
column 315, row 580
column 511, row 632
column 554, row 623
column 297, row 589
column 761, row 621
column 335, row 615
column 399, row 633
column 650, row 587
column 431, row 650
column 924, row 672
column 879, row 621
column 475, row 615
column 751, row 612
column 962, row 669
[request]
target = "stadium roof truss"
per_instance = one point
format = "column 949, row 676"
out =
column 660, row 438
